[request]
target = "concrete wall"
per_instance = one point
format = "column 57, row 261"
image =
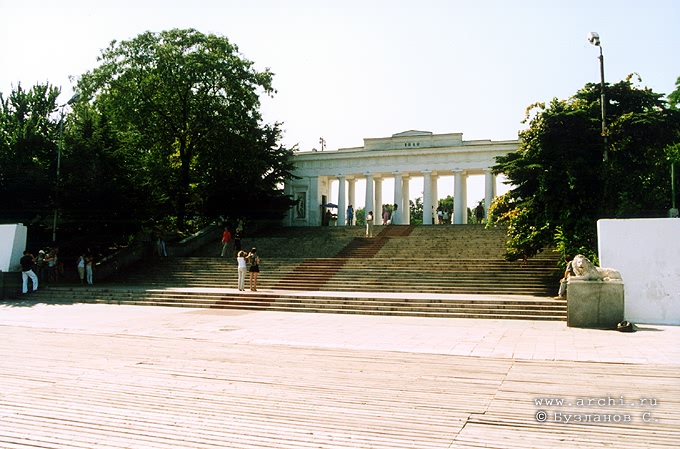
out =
column 12, row 246
column 647, row 253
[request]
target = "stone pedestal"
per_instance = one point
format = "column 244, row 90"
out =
column 594, row 304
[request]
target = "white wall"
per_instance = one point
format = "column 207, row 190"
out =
column 12, row 246
column 647, row 253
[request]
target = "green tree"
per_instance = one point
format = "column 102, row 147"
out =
column 186, row 106
column 29, row 135
column 360, row 216
column 674, row 97
column 99, row 176
column 446, row 204
column 416, row 211
column 563, row 185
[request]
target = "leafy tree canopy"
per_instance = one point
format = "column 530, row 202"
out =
column 185, row 110
column 29, row 131
column 563, row 185
column 674, row 97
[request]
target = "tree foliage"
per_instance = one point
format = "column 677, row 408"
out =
column 185, row 110
column 674, row 97
column 29, row 131
column 562, row 183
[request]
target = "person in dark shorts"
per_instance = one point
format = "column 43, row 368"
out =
column 254, row 261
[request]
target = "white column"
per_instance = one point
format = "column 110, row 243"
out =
column 352, row 195
column 288, row 190
column 398, row 200
column 435, row 195
column 370, row 202
column 459, row 211
column 342, row 208
column 405, row 205
column 465, row 195
column 427, row 197
column 377, row 208
column 489, row 191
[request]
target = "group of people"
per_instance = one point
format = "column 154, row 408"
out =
column 228, row 238
column 246, row 262
column 85, row 267
column 387, row 219
column 47, row 267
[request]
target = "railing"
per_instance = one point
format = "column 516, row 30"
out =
column 111, row 265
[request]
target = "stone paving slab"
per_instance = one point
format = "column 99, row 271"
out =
column 106, row 376
column 519, row 339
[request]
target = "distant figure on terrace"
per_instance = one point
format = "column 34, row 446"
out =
column 237, row 241
column 350, row 215
column 89, row 268
column 479, row 213
column 226, row 240
column 369, row 224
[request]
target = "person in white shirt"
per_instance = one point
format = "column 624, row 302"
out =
column 242, row 270
column 369, row 224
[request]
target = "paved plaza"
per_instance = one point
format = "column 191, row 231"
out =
column 106, row 376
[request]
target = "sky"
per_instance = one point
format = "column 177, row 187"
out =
column 353, row 69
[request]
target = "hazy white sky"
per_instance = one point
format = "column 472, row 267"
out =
column 350, row 69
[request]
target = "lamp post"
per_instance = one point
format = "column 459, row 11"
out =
column 60, row 148
column 594, row 39
column 673, row 213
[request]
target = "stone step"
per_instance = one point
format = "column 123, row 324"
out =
column 445, row 271
column 422, row 305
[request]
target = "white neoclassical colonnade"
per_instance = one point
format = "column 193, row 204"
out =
column 401, row 157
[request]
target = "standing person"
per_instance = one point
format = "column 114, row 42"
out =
column 160, row 245
column 27, row 262
column 226, row 239
column 369, row 224
column 386, row 216
column 81, row 268
column 242, row 269
column 350, row 215
column 52, row 259
column 41, row 265
column 479, row 213
column 254, row 261
column 568, row 272
column 237, row 241
column 89, row 268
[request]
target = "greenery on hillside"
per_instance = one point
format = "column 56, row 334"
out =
column 564, row 184
column 165, row 131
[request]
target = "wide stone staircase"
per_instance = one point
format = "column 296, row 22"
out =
column 437, row 271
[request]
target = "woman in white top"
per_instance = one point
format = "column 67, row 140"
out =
column 242, row 269
column 81, row 268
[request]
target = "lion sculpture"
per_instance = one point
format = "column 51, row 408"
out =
column 584, row 268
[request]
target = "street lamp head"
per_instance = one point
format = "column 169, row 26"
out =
column 74, row 99
column 594, row 38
